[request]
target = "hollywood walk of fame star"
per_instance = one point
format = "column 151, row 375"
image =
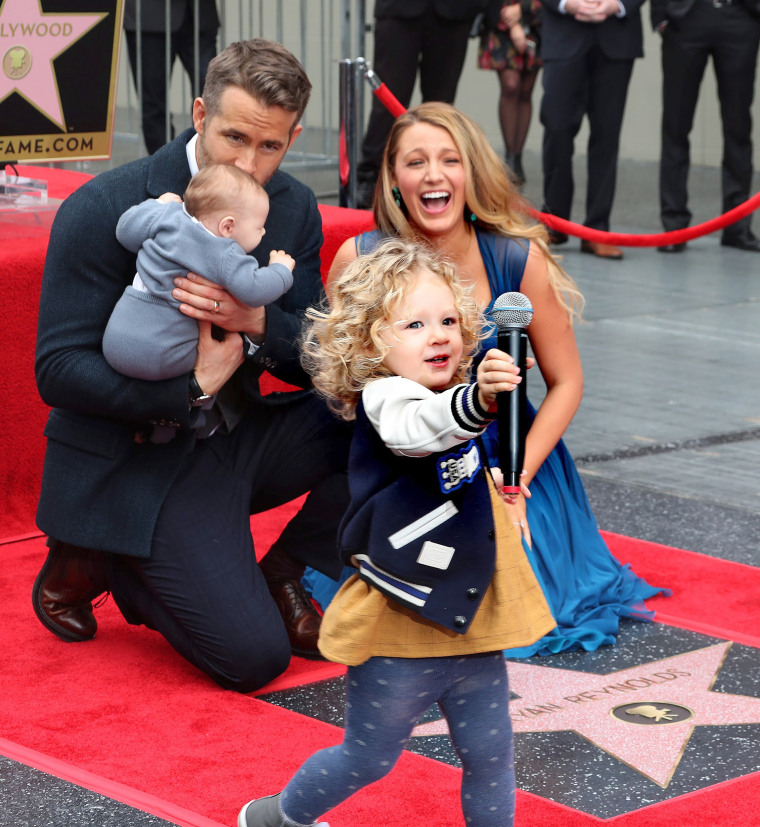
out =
column 643, row 716
column 30, row 40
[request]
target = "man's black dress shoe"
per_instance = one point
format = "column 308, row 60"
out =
column 69, row 580
column 672, row 248
column 302, row 620
column 743, row 240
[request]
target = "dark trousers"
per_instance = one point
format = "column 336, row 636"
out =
column 730, row 35
column 588, row 84
column 201, row 588
column 436, row 47
column 154, row 73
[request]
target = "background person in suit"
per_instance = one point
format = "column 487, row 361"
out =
column 153, row 55
column 166, row 527
column 429, row 35
column 588, row 49
column 692, row 31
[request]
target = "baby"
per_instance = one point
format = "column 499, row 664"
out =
column 221, row 221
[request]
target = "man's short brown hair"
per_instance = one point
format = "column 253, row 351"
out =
column 264, row 69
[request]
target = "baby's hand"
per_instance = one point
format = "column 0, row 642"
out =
column 496, row 373
column 281, row 257
column 168, row 197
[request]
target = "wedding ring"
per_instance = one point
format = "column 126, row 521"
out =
column 217, row 305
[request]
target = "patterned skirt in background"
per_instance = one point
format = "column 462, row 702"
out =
column 497, row 52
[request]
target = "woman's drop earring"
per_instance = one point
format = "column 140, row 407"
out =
column 397, row 196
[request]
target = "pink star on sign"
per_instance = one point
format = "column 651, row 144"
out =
column 29, row 42
column 643, row 716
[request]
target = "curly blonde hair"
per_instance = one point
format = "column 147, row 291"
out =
column 343, row 345
column 490, row 194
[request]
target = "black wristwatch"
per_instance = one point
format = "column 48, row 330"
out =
column 197, row 397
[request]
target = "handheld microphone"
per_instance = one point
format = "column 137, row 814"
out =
column 512, row 313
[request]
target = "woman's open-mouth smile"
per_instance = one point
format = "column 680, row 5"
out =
column 435, row 201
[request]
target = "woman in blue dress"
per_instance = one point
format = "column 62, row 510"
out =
column 442, row 183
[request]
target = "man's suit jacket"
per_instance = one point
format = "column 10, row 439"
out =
column 102, row 487
column 662, row 10
column 563, row 37
column 153, row 15
column 448, row 9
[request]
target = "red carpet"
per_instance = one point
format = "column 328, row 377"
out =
column 125, row 716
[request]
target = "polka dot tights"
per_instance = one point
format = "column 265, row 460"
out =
column 384, row 699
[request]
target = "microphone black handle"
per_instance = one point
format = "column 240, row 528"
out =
column 512, row 410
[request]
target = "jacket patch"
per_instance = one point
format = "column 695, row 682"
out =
column 454, row 470
column 424, row 525
column 435, row 555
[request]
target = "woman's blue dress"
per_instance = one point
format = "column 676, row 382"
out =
column 587, row 589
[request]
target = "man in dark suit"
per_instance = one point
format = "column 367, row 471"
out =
column 693, row 30
column 153, row 58
column 165, row 525
column 588, row 48
column 429, row 35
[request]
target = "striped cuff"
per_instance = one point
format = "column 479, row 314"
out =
column 467, row 410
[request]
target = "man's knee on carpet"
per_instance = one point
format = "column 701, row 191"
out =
column 247, row 665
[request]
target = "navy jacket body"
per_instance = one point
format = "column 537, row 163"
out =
column 390, row 494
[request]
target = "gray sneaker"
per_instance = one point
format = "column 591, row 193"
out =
column 265, row 812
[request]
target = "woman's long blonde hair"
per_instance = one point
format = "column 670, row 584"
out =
column 497, row 204
column 343, row 345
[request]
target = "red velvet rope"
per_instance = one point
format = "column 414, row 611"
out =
column 653, row 239
column 393, row 105
column 389, row 100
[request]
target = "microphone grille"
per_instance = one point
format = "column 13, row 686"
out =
column 512, row 310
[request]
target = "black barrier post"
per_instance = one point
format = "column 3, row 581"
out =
column 348, row 137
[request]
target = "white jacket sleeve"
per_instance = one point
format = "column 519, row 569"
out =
column 415, row 421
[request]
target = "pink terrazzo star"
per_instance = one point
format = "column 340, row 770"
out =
column 659, row 704
column 29, row 42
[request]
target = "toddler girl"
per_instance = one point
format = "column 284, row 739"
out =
column 443, row 584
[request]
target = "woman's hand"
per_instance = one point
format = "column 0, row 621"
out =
column 510, row 15
column 216, row 361
column 207, row 302
column 514, row 503
column 498, row 478
column 518, row 38
column 517, row 514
